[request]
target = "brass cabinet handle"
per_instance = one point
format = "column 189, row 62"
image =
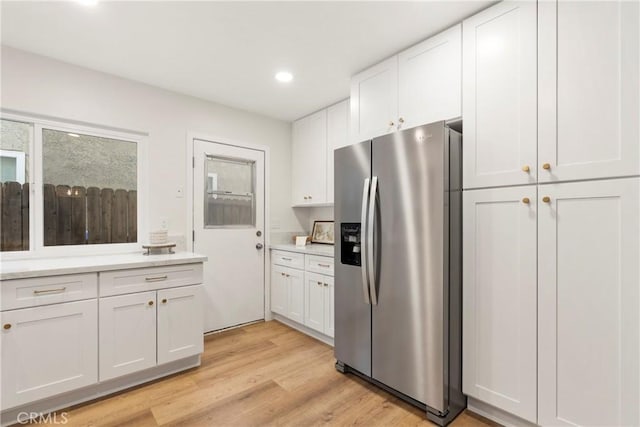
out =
column 326, row 284
column 7, row 326
column 319, row 283
column 525, row 200
column 288, row 275
column 401, row 120
column 310, row 197
column 305, row 197
column 324, row 265
column 286, row 259
column 150, row 303
column 49, row 291
column 164, row 300
column 391, row 123
column 546, row 199
column 156, row 279
column 546, row 166
column 526, row 168
column 282, row 274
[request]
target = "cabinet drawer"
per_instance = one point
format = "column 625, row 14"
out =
column 146, row 279
column 288, row 259
column 21, row 293
column 319, row 264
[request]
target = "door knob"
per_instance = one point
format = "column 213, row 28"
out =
column 259, row 246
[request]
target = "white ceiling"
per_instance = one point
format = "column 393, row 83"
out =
column 228, row 52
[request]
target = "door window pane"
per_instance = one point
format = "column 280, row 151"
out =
column 230, row 192
column 90, row 189
column 15, row 140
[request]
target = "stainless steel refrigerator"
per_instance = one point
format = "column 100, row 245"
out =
column 398, row 266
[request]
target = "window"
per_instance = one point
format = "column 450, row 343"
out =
column 15, row 142
column 86, row 188
column 230, row 185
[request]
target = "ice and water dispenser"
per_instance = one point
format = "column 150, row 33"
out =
column 350, row 243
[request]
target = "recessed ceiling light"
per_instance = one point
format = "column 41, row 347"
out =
column 88, row 2
column 75, row 135
column 284, row 76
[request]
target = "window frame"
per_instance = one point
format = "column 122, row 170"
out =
column 37, row 249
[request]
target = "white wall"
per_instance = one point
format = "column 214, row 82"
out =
column 39, row 85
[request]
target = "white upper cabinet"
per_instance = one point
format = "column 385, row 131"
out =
column 419, row 85
column 499, row 298
column 429, row 80
column 337, row 137
column 374, row 101
column 499, row 96
column 589, row 110
column 309, row 160
column 589, row 303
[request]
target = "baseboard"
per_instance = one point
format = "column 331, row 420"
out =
column 305, row 330
column 494, row 414
column 95, row 391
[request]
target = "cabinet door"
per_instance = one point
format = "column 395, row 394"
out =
column 314, row 301
column 180, row 323
column 589, row 89
column 337, row 136
column 499, row 96
column 589, row 303
column 329, row 311
column 127, row 334
column 295, row 295
column 279, row 284
column 499, row 298
column 429, row 78
column 309, row 160
column 48, row 350
column 374, row 101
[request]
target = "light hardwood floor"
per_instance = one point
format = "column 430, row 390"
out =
column 262, row 374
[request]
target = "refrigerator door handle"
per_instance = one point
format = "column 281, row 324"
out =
column 370, row 244
column 363, row 242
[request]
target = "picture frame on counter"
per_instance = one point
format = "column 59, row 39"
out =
column 323, row 232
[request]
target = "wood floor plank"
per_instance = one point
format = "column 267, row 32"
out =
column 264, row 374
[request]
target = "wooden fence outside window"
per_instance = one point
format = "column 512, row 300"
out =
column 72, row 215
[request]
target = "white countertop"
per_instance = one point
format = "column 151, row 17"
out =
column 322, row 250
column 19, row 269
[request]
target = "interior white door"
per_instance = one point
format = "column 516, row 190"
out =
column 589, row 303
column 589, row 99
column 228, row 218
column 499, row 298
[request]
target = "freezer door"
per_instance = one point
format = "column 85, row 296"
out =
column 352, row 166
column 410, row 230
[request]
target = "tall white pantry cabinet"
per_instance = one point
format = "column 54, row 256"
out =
column 551, row 212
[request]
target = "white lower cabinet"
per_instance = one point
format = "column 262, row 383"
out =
column 295, row 295
column 180, row 323
column 127, row 334
column 142, row 330
column 589, row 303
column 303, row 296
column 552, row 301
column 48, row 350
column 319, row 303
column 499, row 298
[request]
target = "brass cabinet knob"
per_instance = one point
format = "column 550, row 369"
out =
column 7, row 326
column 546, row 166
column 526, row 168
column 326, row 284
column 150, row 302
column 282, row 274
column 401, row 120
column 288, row 275
column 319, row 283
column 305, row 197
column 525, row 200
column 164, row 300
column 310, row 197
column 391, row 123
column 546, row 199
